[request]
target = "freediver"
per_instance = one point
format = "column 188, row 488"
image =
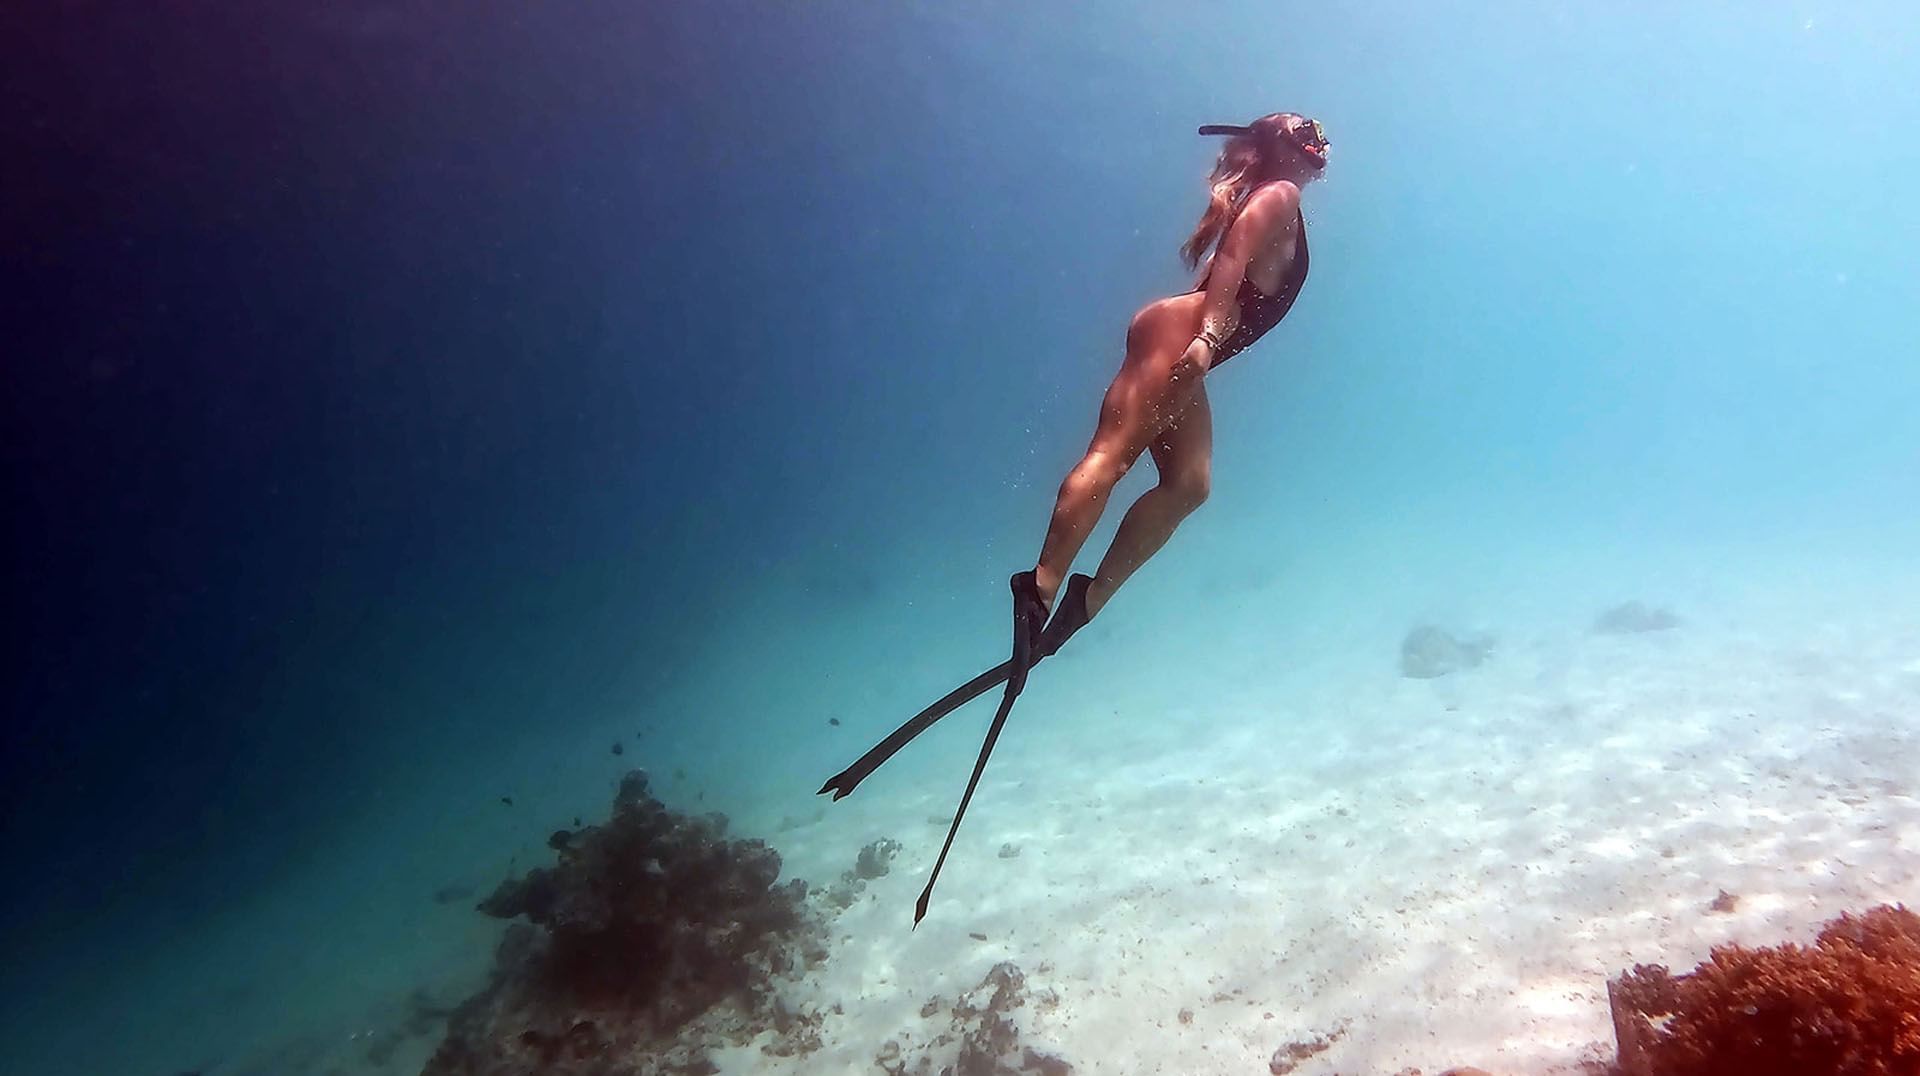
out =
column 1252, row 241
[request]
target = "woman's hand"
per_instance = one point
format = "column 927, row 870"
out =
column 1195, row 361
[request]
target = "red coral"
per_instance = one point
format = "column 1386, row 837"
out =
column 1847, row 1006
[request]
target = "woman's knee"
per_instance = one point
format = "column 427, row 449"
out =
column 1098, row 471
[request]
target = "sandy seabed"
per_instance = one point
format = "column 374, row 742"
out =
column 1421, row 873
column 1303, row 848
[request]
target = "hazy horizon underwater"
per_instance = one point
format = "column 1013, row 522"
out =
column 421, row 419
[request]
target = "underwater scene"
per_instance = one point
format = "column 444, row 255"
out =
column 962, row 539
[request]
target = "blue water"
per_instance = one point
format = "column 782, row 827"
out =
column 405, row 404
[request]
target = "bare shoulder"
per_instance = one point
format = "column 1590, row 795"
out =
column 1279, row 199
column 1267, row 216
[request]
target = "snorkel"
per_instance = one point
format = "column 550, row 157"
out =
column 1308, row 138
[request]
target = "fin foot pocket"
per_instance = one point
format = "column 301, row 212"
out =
column 1069, row 616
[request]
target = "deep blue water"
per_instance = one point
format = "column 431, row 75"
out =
column 391, row 384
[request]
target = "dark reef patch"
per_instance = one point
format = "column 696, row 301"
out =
column 651, row 941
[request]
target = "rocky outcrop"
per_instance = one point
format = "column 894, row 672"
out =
column 1428, row 652
column 977, row 1034
column 1632, row 618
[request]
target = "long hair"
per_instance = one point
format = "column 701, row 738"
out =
column 1246, row 161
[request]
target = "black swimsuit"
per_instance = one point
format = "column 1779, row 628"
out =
column 1260, row 311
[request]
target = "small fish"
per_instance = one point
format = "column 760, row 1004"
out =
column 834, row 721
column 508, row 800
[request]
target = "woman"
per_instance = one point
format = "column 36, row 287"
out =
column 1158, row 401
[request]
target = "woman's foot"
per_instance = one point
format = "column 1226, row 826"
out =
column 1097, row 595
column 1029, row 619
column 1070, row 615
column 1047, row 583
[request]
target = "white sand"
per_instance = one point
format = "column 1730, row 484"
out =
column 1272, row 830
column 1444, row 871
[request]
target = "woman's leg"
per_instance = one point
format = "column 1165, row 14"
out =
column 1183, row 453
column 1145, row 398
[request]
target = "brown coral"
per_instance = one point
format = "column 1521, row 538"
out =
column 652, row 940
column 1849, row 1005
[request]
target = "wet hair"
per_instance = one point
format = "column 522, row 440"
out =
column 1247, row 161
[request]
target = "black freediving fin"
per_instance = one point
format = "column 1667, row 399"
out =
column 844, row 782
column 1070, row 616
column 1031, row 644
column 979, row 767
column 1029, row 621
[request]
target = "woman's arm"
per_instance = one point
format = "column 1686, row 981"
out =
column 1269, row 217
